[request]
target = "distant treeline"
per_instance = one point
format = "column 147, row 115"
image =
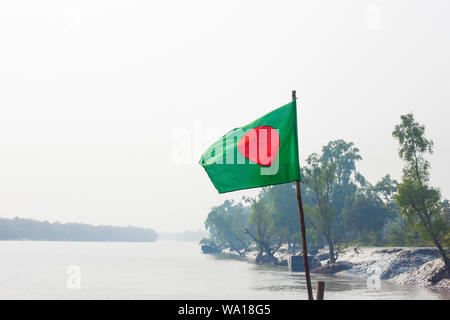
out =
column 28, row 229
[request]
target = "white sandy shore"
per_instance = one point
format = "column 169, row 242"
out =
column 410, row 266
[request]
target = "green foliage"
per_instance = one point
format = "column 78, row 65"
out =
column 366, row 217
column 263, row 229
column 421, row 204
column 387, row 188
column 413, row 145
column 331, row 183
column 282, row 203
column 225, row 224
column 402, row 235
column 344, row 156
column 423, row 209
column 320, row 175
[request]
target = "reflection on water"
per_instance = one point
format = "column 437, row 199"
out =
column 164, row 270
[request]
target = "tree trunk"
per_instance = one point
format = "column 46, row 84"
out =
column 263, row 246
column 331, row 249
column 332, row 259
column 428, row 227
column 444, row 257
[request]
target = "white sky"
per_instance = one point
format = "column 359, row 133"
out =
column 93, row 95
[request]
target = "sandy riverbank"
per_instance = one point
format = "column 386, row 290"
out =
column 410, row 266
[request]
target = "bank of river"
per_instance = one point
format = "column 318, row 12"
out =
column 414, row 267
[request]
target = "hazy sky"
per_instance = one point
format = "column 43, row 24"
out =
column 97, row 98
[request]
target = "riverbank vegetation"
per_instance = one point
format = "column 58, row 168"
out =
column 342, row 207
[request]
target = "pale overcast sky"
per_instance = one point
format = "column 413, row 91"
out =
column 97, row 97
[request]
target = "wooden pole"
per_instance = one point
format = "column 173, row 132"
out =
column 303, row 230
column 320, row 289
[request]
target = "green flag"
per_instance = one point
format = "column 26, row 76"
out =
column 262, row 153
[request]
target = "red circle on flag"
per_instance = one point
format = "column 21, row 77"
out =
column 260, row 145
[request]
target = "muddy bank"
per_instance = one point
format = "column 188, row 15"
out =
column 410, row 266
column 429, row 275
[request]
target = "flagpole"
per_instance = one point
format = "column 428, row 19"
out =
column 303, row 229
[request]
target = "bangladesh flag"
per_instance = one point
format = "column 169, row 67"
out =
column 262, row 153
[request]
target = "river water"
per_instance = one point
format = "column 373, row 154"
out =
column 163, row 270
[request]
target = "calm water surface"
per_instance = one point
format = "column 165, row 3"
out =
column 163, row 270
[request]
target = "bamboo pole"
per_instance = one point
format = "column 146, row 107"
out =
column 303, row 230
